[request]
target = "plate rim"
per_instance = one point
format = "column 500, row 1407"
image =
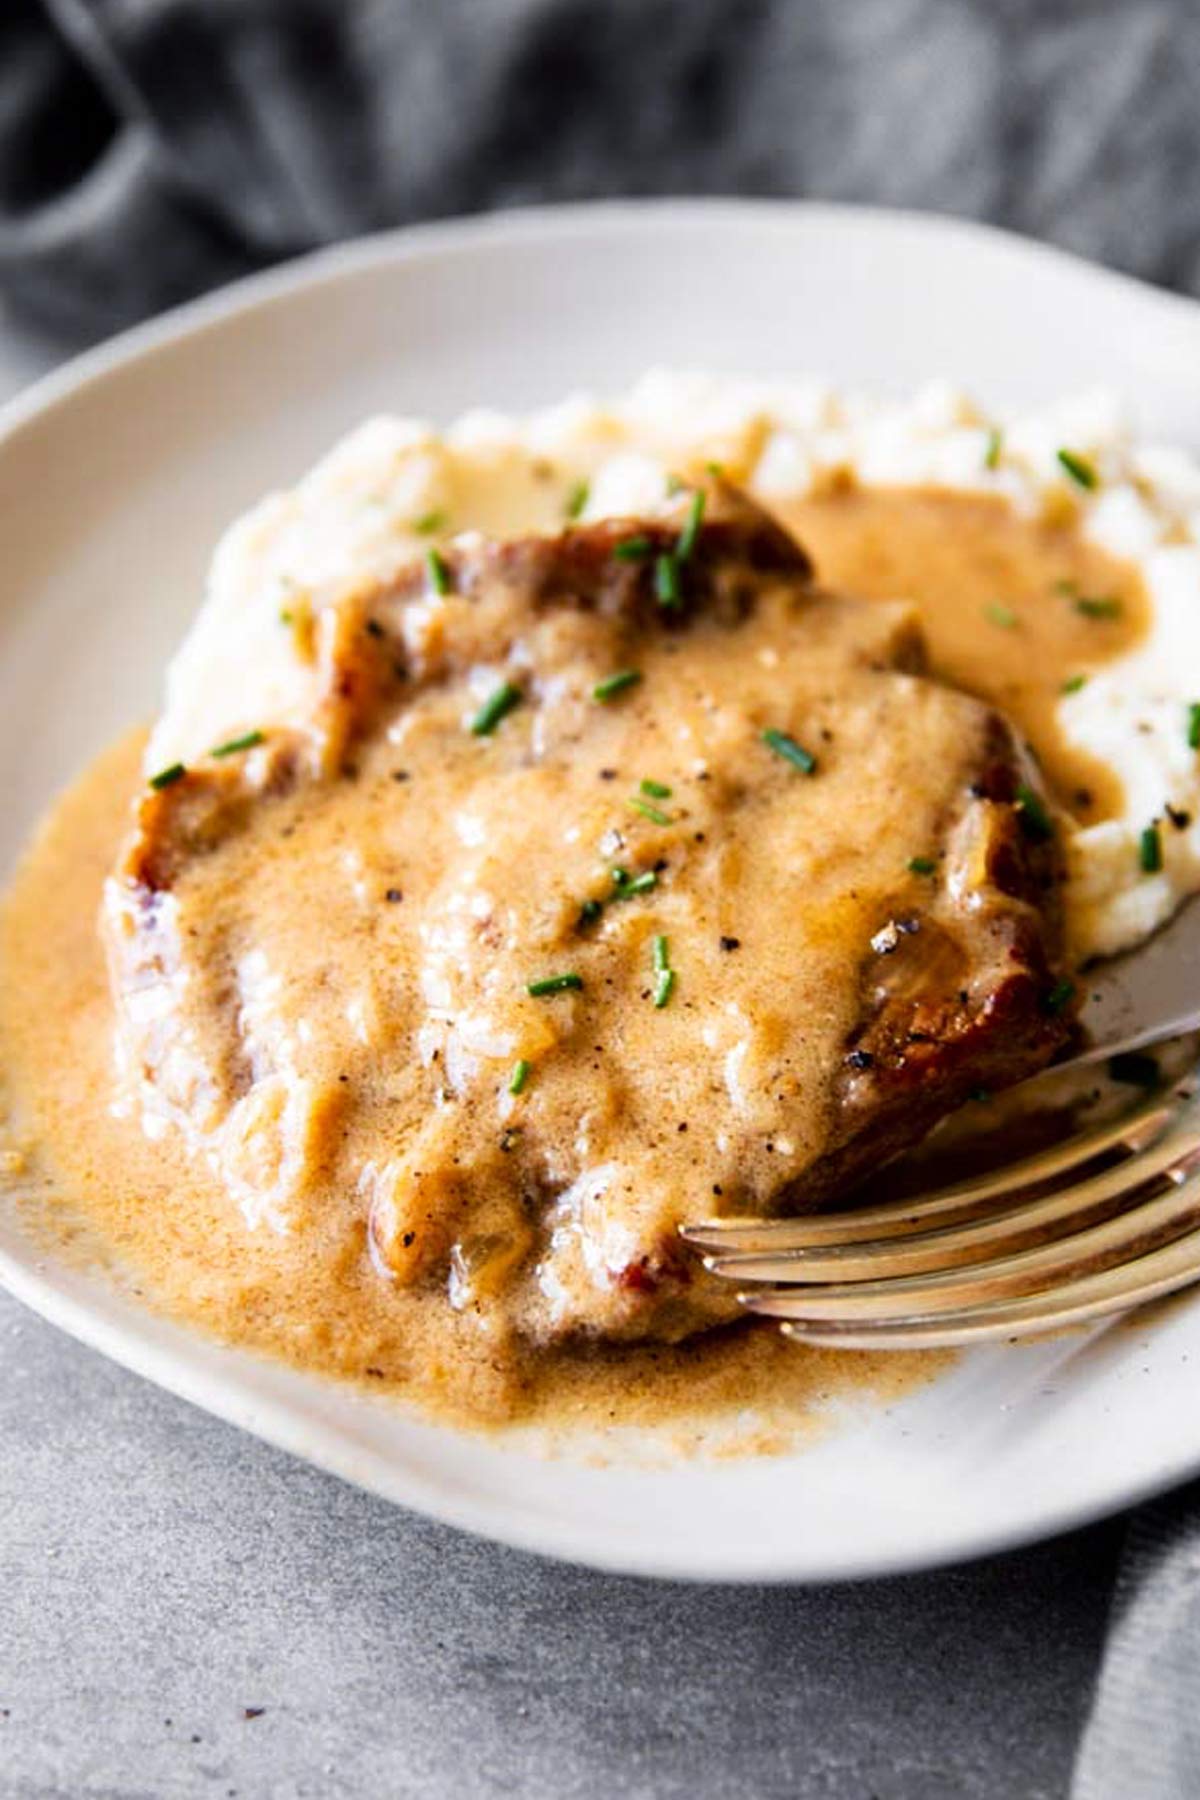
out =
column 463, row 234
column 270, row 1418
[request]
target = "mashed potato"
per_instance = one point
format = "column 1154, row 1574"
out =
column 394, row 486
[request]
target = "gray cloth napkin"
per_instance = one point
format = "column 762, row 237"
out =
column 153, row 148
column 150, row 148
column 1142, row 1741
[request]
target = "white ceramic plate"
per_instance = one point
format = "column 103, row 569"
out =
column 116, row 476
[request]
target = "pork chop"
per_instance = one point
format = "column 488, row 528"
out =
column 617, row 878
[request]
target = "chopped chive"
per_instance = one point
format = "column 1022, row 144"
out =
column 716, row 470
column 577, row 499
column 495, row 708
column 1036, row 822
column 653, row 813
column 1134, row 1068
column 1193, row 731
column 791, row 751
column 168, row 777
column 612, row 685
column 1072, row 684
column 667, row 590
column 995, row 443
column 1099, row 606
column 1150, row 850
column 691, row 527
column 247, row 742
column 922, row 865
column 620, row 877
column 554, row 984
column 1060, row 996
column 664, row 973
column 439, row 574
column 1001, row 615
column 429, row 522
column 657, row 790
column 519, row 1076
column 1079, row 468
column 633, row 549
column 589, row 912
column 286, row 617
column 640, row 884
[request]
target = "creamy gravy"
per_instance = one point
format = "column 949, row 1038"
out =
column 314, row 1297
column 98, row 1186
column 1009, row 605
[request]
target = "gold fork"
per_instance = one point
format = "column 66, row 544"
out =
column 1097, row 1224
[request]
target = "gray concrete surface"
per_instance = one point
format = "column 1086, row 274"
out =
column 162, row 1577
column 160, row 1574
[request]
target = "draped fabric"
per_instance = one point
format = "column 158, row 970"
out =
column 151, row 148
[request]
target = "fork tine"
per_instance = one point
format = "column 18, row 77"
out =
column 1098, row 1247
column 1021, row 1225
column 1135, row 1130
column 1116, row 1290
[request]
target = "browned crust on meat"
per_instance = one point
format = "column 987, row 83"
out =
column 738, row 543
column 364, row 664
column 968, row 995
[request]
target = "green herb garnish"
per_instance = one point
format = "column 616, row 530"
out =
column 612, row 685
column 635, row 884
column 667, row 590
column 1079, row 468
column 653, row 813
column 791, row 751
column 589, row 912
column 1098, row 606
column 1060, row 996
column 519, row 1076
column 554, row 984
column 922, row 865
column 495, row 708
column 577, row 499
column 439, row 573
column 995, row 443
column 664, row 974
column 1036, row 822
column 633, row 549
column 1193, row 730
column 1072, row 684
column 429, row 522
column 691, row 527
column 1150, row 850
column 168, row 777
column 657, row 790
column 999, row 614
column 247, row 742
